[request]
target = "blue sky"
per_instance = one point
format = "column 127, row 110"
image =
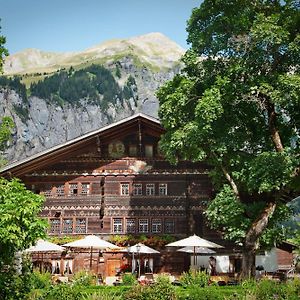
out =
column 74, row 25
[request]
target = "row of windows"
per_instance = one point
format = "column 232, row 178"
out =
column 150, row 189
column 72, row 189
column 143, row 225
column 67, row 226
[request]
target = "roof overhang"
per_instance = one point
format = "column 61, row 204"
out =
column 56, row 152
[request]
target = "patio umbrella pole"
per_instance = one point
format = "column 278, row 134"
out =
column 91, row 258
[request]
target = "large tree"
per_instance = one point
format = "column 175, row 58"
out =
column 236, row 105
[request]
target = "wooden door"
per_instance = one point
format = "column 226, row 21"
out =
column 113, row 265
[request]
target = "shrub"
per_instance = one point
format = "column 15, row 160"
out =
column 84, row 278
column 293, row 289
column 196, row 293
column 40, row 280
column 128, row 279
column 196, row 278
column 161, row 290
column 268, row 289
column 62, row 291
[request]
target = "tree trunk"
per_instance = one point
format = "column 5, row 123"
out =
column 248, row 263
column 251, row 240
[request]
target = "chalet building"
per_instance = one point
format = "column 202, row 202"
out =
column 115, row 181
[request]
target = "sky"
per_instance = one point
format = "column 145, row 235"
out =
column 75, row 25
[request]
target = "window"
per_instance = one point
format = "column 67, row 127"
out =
column 130, row 225
column 60, row 190
column 124, row 189
column 169, row 226
column 162, row 189
column 117, row 225
column 47, row 192
column 143, row 225
column 132, row 150
column 85, row 189
column 73, row 189
column 156, row 225
column 137, row 189
column 149, row 150
column 54, row 226
column 150, row 189
column 67, row 226
column 80, row 226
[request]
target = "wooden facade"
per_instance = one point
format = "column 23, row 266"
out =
column 115, row 181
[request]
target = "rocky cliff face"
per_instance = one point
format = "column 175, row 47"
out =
column 45, row 123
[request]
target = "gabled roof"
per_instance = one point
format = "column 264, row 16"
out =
column 90, row 135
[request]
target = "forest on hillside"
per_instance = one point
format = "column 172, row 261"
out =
column 94, row 83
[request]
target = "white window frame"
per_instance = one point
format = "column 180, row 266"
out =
column 137, row 189
column 117, row 225
column 54, row 225
column 156, row 225
column 60, row 190
column 67, row 225
column 150, row 189
column 85, row 188
column 124, row 189
column 130, row 225
column 143, row 225
column 80, row 225
column 163, row 189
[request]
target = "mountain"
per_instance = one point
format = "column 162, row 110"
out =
column 54, row 97
column 153, row 49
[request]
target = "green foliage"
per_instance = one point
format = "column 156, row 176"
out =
column 194, row 278
column 128, row 279
column 20, row 225
column 118, row 71
column 22, row 112
column 161, row 290
column 236, row 106
column 157, row 242
column 84, row 278
column 208, row 293
column 3, row 51
column 62, row 291
column 94, row 83
column 235, row 218
column 268, row 289
column 6, row 127
column 40, row 280
column 15, row 84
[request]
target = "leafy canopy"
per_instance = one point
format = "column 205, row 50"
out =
column 236, row 105
column 20, row 225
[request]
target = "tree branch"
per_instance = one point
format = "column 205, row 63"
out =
column 273, row 129
column 259, row 225
column 229, row 179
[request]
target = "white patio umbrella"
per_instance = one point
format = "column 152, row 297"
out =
column 91, row 242
column 42, row 247
column 198, row 250
column 194, row 241
column 140, row 249
column 45, row 246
